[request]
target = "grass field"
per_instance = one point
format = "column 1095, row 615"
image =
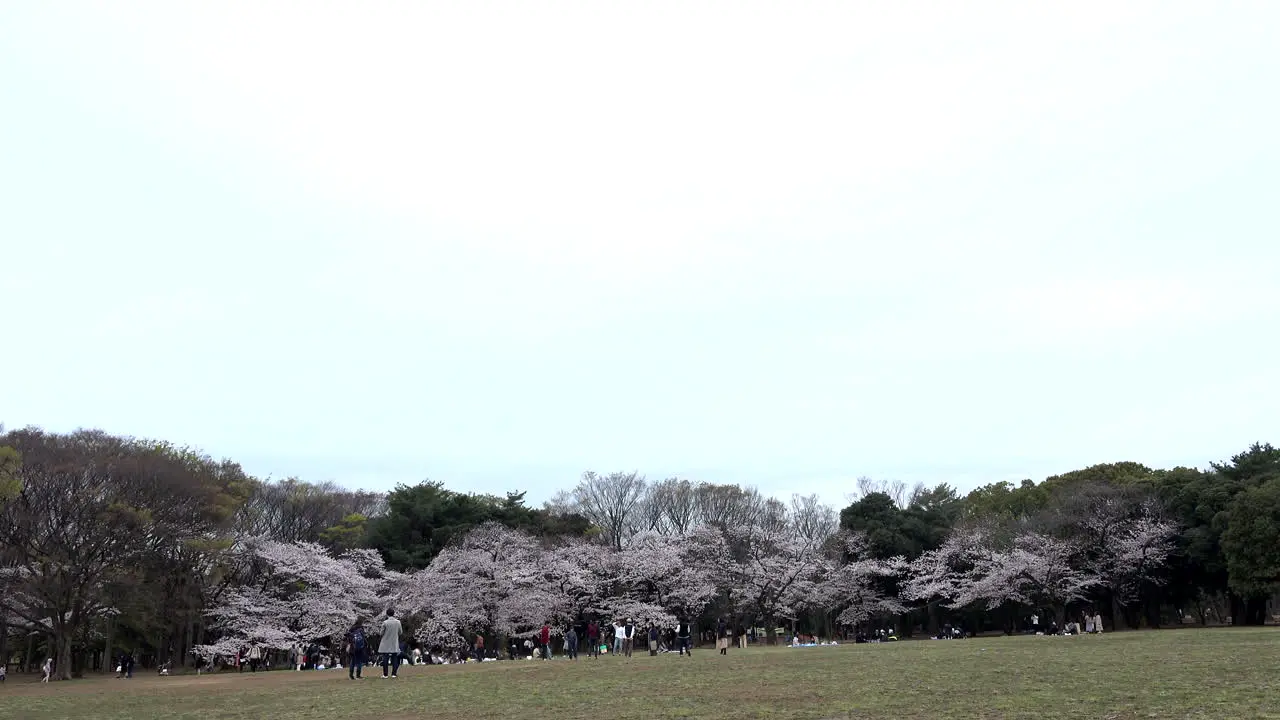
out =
column 1216, row 674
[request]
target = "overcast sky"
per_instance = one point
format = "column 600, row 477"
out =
column 784, row 244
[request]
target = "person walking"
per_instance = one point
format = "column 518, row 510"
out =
column 389, row 645
column 593, row 637
column 478, row 647
column 357, row 651
column 722, row 637
column 47, row 670
column 544, row 639
column 653, row 640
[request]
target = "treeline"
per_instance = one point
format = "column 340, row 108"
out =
column 110, row 543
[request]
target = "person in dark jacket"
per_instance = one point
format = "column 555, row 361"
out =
column 682, row 638
column 653, row 640
column 571, row 643
column 628, row 638
column 722, row 637
column 357, row 650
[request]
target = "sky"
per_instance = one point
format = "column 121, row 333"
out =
column 781, row 244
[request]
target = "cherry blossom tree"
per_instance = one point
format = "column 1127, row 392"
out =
column 298, row 593
column 1122, row 539
column 580, row 574
column 671, row 571
column 1036, row 570
column 778, row 572
column 1136, row 554
column 854, row 583
column 944, row 574
column 493, row 580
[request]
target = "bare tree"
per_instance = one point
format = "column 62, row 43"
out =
column 895, row 489
column 610, row 502
column 648, row 515
column 681, row 505
column 812, row 520
column 728, row 506
column 295, row 511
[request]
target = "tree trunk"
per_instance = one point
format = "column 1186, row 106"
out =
column 108, row 659
column 190, row 641
column 1117, row 614
column 1255, row 610
column 1237, row 609
column 31, row 653
column 1153, row 613
column 4, row 641
column 62, row 659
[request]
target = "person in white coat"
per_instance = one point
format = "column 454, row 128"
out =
column 389, row 645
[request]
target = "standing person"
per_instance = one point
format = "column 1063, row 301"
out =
column 653, row 640
column 389, row 645
column 571, row 643
column 478, row 647
column 722, row 637
column 742, row 637
column 593, row 637
column 628, row 638
column 617, row 637
column 357, row 648
column 255, row 657
column 544, row 638
column 47, row 670
column 682, row 638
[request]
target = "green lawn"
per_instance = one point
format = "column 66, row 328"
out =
column 1215, row 674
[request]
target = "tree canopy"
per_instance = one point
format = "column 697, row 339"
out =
column 110, row 542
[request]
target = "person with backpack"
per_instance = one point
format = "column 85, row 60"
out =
column 389, row 645
column 357, row 649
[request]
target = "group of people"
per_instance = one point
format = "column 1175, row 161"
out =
column 390, row 650
column 124, row 665
column 1089, row 624
column 620, row 638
